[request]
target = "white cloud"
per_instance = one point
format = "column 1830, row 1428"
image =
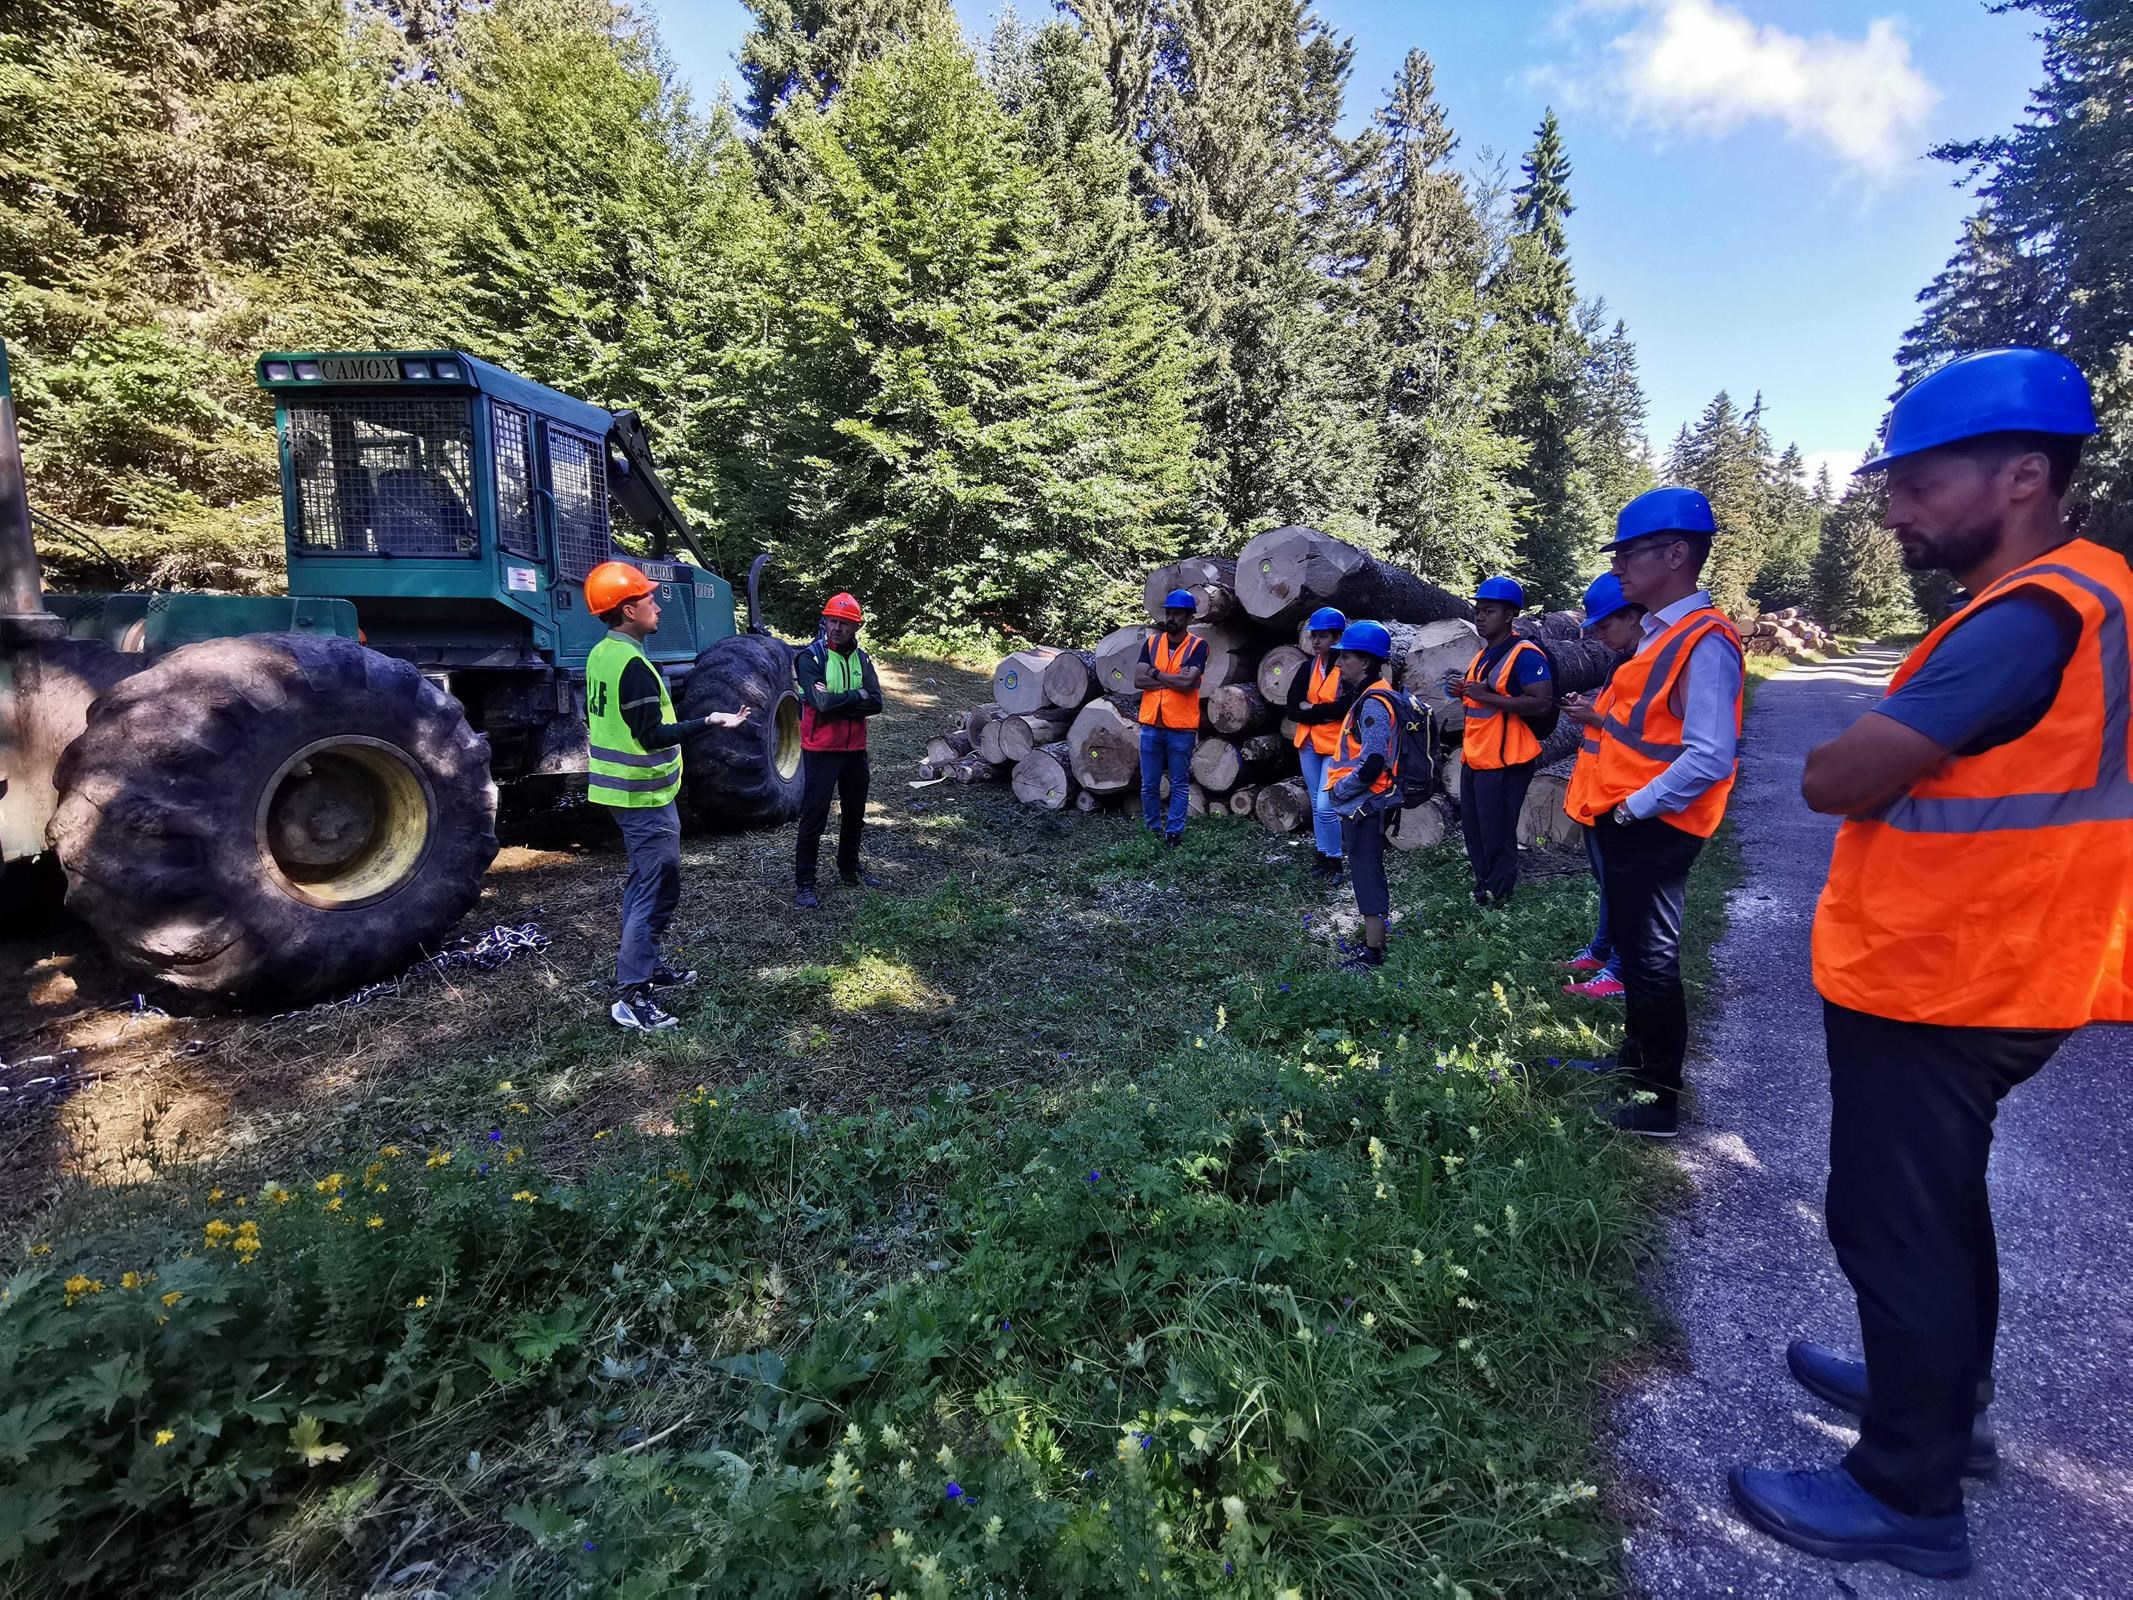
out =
column 1701, row 66
column 1840, row 463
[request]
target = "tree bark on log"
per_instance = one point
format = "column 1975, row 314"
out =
column 1434, row 649
column 1278, row 671
column 1020, row 735
column 1197, row 801
column 1243, row 801
column 1283, row 807
column 975, row 718
column 1219, row 765
column 1579, row 665
column 1087, row 801
column 1285, row 574
column 1044, row 778
column 1561, row 745
column 1238, row 709
column 1104, row 745
column 1233, row 654
column 1561, row 624
column 927, row 770
column 990, row 750
column 948, row 748
column 1204, row 576
column 1449, row 772
column 1070, row 680
column 1018, row 681
column 971, row 769
column 1425, row 824
column 1116, row 655
column 1543, row 816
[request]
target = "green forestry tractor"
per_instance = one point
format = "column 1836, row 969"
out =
column 272, row 798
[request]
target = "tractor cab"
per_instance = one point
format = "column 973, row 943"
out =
column 459, row 507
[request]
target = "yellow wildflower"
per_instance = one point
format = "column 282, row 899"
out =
column 334, row 1204
column 40, row 1249
column 330, row 1184
column 504, row 1087
column 279, row 1195
column 420, row 1301
column 130, row 1280
column 438, row 1158
column 384, row 1188
column 390, row 1152
column 527, row 1195
column 239, row 1201
column 375, row 1222
column 602, row 1134
column 521, row 1107
column 213, row 1195
column 79, row 1285
column 217, row 1230
column 163, row 1437
column 173, row 1297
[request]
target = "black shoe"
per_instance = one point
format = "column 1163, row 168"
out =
column 1172, row 840
column 665, row 977
column 1828, row 1514
column 859, row 880
column 1842, row 1382
column 637, row 1010
column 1651, row 1121
column 1364, row 960
column 807, row 899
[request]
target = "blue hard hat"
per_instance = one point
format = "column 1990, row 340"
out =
column 1669, row 510
column 1994, row 391
column 1180, row 600
column 1509, row 590
column 1368, row 637
column 1603, row 598
column 1325, row 620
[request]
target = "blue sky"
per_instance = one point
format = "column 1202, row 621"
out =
column 1750, row 175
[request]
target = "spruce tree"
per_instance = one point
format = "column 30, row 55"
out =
column 1860, row 585
column 1614, row 411
column 1787, row 575
column 1535, row 298
column 804, row 51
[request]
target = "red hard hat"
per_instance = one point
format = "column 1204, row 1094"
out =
column 614, row 583
column 843, row 607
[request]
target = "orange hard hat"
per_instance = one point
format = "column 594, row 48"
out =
column 614, row 583
column 844, row 607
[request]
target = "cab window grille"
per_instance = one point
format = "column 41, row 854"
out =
column 384, row 477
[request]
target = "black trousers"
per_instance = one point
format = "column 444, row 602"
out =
column 1489, row 803
column 1644, row 873
column 842, row 775
column 1911, row 1108
column 1363, row 841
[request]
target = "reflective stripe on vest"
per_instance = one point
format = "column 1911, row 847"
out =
column 1170, row 708
column 1494, row 739
column 1641, row 733
column 618, row 770
column 1324, row 689
column 1348, row 753
column 1998, row 891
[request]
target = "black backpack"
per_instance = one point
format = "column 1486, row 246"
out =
column 1414, row 759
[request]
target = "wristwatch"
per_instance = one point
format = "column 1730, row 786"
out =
column 1622, row 813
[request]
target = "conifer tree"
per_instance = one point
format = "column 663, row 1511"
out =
column 1860, row 586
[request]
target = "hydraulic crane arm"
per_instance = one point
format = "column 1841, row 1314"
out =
column 635, row 481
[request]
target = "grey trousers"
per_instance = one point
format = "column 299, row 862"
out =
column 652, row 835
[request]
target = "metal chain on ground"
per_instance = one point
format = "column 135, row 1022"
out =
column 483, row 952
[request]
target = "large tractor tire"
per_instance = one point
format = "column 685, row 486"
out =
column 750, row 776
column 274, row 818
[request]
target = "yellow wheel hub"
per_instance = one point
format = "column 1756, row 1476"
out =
column 345, row 821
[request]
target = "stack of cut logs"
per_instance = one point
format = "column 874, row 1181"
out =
column 1063, row 724
column 1788, row 633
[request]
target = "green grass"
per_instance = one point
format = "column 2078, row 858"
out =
column 1074, row 1174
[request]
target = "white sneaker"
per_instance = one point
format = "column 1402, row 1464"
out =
column 637, row 1009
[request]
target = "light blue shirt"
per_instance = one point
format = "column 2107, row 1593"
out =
column 1710, row 692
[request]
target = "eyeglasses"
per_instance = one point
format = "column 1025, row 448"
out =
column 1617, row 559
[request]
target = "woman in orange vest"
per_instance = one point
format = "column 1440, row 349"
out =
column 1508, row 681
column 1362, row 780
column 1168, row 678
column 1617, row 624
column 1656, row 786
column 1318, row 705
column 1979, row 908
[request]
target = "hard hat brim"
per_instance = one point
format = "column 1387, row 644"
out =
column 1918, row 447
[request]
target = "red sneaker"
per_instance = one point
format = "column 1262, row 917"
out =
column 1583, row 961
column 1604, row 987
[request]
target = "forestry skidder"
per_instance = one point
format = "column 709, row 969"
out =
column 274, row 798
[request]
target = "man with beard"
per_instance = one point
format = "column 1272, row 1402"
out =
column 1977, row 911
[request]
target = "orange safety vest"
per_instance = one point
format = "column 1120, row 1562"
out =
column 1496, row 739
column 1584, row 789
column 1348, row 750
column 1170, row 708
column 1325, row 688
column 1997, row 891
column 1641, row 733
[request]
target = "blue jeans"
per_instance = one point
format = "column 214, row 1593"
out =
column 1325, row 821
column 1166, row 751
column 1603, row 939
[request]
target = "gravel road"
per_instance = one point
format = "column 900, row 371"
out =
column 1749, row 1267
